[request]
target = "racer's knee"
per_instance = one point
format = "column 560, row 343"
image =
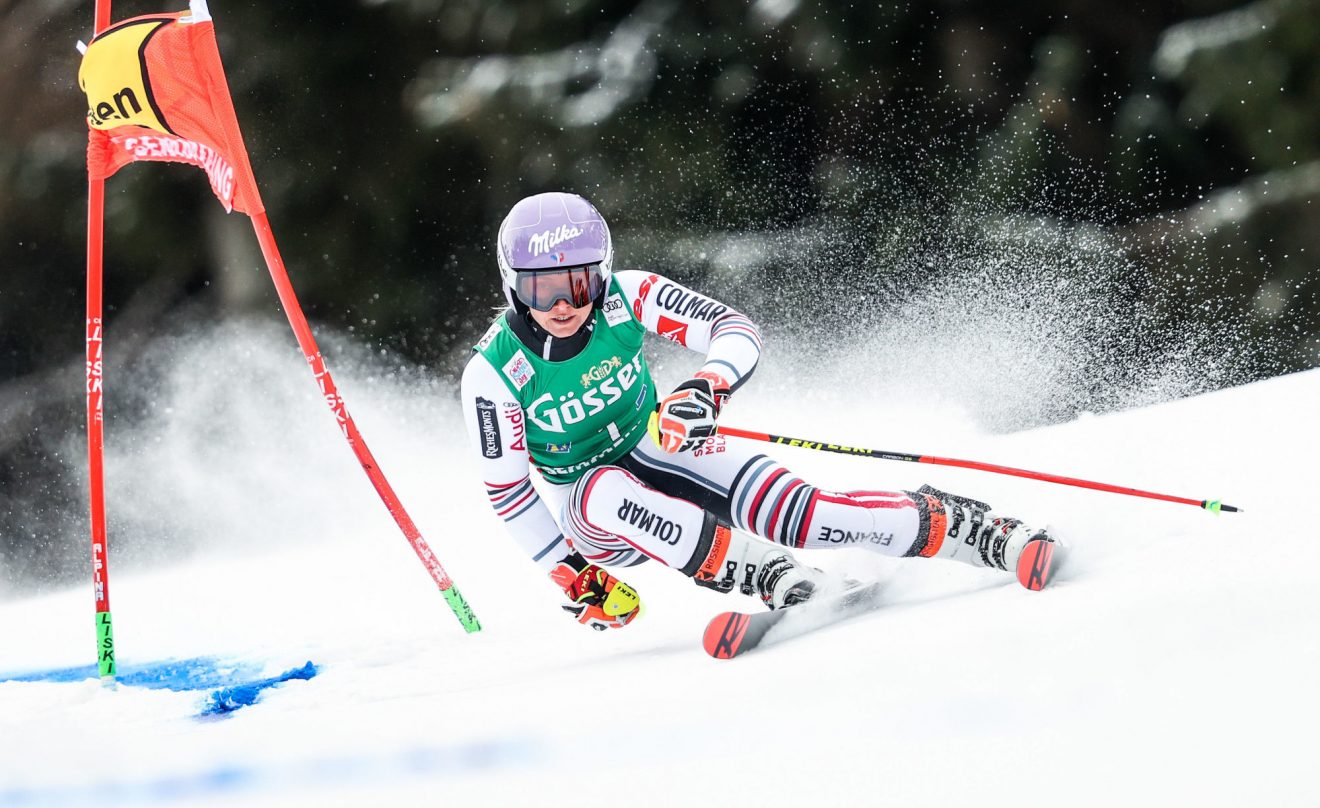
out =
column 613, row 518
column 593, row 540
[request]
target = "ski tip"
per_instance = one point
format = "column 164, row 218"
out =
column 1035, row 566
column 724, row 634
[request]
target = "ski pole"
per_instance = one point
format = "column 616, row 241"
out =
column 1212, row 505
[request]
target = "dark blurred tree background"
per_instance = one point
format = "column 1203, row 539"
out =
column 726, row 141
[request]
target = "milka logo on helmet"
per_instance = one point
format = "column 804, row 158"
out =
column 601, row 371
column 545, row 241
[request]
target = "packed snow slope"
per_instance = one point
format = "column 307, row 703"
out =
column 1174, row 662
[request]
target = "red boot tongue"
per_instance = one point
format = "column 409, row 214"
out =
column 1036, row 564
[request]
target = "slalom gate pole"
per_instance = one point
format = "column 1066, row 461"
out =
column 105, row 635
column 208, row 137
column 303, row 332
column 1212, row 505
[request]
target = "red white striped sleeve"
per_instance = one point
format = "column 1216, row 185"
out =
column 730, row 341
column 497, row 430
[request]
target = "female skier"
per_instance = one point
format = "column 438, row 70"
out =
column 560, row 382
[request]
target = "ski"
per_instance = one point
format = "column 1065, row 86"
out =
column 732, row 634
column 1039, row 561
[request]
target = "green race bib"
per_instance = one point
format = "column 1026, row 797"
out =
column 586, row 411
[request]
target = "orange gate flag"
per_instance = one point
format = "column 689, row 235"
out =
column 156, row 91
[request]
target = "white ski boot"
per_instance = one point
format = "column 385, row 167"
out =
column 755, row 566
column 974, row 535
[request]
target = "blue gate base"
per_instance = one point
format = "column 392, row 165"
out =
column 232, row 684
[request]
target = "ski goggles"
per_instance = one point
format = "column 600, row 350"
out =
column 541, row 289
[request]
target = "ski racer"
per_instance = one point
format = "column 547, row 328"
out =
column 559, row 383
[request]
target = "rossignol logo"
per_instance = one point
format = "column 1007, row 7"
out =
column 672, row 330
column 601, row 371
column 545, row 241
column 551, row 416
column 643, row 292
column 688, row 304
column 491, row 447
column 639, row 517
column 719, row 548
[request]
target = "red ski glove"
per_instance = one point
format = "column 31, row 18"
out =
column 686, row 417
column 598, row 599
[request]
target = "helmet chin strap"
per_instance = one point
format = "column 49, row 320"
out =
column 521, row 308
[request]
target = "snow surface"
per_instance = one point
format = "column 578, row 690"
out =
column 1175, row 662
